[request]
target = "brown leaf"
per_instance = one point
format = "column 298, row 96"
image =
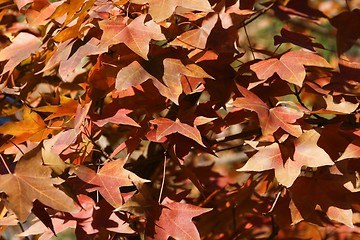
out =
column 166, row 127
column 327, row 192
column 298, row 39
column 348, row 29
column 32, row 180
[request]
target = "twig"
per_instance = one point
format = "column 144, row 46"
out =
column 229, row 148
column 241, row 135
column 211, row 196
column 251, row 48
column 261, row 12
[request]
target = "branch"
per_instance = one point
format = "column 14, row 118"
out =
column 241, row 135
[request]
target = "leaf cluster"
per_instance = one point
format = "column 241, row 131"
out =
column 158, row 119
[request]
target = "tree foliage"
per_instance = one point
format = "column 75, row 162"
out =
column 183, row 119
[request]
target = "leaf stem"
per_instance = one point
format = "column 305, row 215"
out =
column 5, row 164
column 23, row 230
column 163, row 179
column 16, row 146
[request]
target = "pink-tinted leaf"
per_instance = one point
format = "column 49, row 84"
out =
column 270, row 119
column 290, row 66
column 163, row 9
column 23, row 45
column 108, row 180
column 196, row 38
column 120, row 117
column 351, row 151
column 136, row 35
column 131, row 75
column 175, row 221
column 307, row 153
column 68, row 66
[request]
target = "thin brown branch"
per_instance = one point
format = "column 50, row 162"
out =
column 241, row 135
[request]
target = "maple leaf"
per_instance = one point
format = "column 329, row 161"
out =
column 32, row 127
column 351, row 151
column 290, row 66
column 42, row 16
column 87, row 222
column 68, row 67
column 131, row 75
column 307, row 153
column 119, row 117
column 21, row 3
column 108, row 180
column 323, row 191
column 166, row 127
column 347, row 24
column 32, row 180
column 175, row 221
column 270, row 119
column 344, row 107
column 163, row 9
column 196, row 38
column 173, row 70
column 136, row 35
column 23, row 45
column 297, row 39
